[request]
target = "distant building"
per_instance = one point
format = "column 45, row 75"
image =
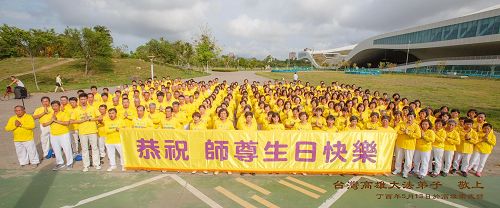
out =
column 292, row 56
column 467, row 42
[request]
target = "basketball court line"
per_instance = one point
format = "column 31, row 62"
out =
column 308, row 185
column 122, row 189
column 299, row 189
column 178, row 179
column 253, row 186
column 233, row 197
column 330, row 201
column 264, row 202
column 195, row 191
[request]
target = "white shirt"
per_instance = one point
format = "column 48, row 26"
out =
column 295, row 77
column 58, row 80
column 19, row 83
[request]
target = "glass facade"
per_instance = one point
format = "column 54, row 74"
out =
column 481, row 27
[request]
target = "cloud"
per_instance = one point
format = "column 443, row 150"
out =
column 248, row 28
column 153, row 18
column 261, row 29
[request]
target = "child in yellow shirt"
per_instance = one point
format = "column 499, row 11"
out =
column 487, row 140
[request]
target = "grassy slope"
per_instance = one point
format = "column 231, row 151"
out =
column 12, row 66
column 463, row 94
column 124, row 70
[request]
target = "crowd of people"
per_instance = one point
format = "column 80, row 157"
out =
column 429, row 141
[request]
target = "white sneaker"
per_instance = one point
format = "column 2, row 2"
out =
column 111, row 168
column 123, row 169
column 98, row 167
column 216, row 173
column 193, row 172
column 229, row 173
column 85, row 169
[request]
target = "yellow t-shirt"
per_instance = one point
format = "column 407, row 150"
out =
column 440, row 137
column 245, row 126
column 424, row 144
column 486, row 143
column 171, row 123
column 155, row 118
column 112, row 134
column 45, row 118
column 198, row 126
column 321, row 121
column 273, row 126
column 87, row 127
column 452, row 140
column 142, row 123
column 332, row 129
column 301, row 126
column 23, row 133
column 227, row 125
column 389, row 128
column 58, row 129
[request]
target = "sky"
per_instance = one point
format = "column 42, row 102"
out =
column 247, row 28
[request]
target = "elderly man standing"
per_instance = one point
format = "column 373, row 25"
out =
column 22, row 126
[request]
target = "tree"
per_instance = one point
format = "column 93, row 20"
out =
column 206, row 48
column 120, row 51
column 94, row 45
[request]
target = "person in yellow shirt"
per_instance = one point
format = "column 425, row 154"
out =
column 353, row 124
column 101, row 131
column 452, row 139
column 386, row 120
column 73, row 128
column 197, row 123
column 59, row 136
column 141, row 121
column 373, row 123
column 169, row 122
column 86, row 117
column 22, row 125
column 127, row 113
column 223, row 123
column 438, row 147
column 249, row 124
column 179, row 114
column 275, row 122
column 408, row 133
column 423, row 149
column 291, row 121
column 154, row 115
column 304, row 122
column 318, row 121
column 330, row 124
column 487, row 140
column 112, row 126
column 95, row 94
column 42, row 114
column 468, row 138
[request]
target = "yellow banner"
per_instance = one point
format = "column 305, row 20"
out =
column 361, row 152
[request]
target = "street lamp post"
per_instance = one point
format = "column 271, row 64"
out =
column 407, row 54
column 152, row 69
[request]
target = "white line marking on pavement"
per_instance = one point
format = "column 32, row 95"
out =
column 91, row 199
column 329, row 202
column 195, row 191
column 416, row 192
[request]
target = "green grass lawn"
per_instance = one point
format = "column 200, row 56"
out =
column 12, row 66
column 481, row 94
column 124, row 71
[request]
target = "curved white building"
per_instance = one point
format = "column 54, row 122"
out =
column 472, row 39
